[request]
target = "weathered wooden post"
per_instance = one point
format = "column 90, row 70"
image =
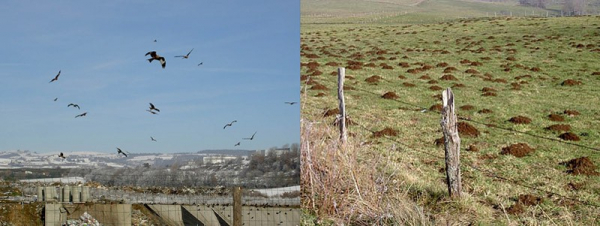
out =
column 237, row 206
column 342, row 119
column 451, row 144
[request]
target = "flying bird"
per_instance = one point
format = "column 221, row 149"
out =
column 154, row 113
column 152, row 138
column 82, row 114
column 251, row 138
column 55, row 77
column 153, row 108
column 187, row 55
column 238, row 144
column 155, row 56
column 291, row 103
column 119, row 151
column 55, row 99
column 229, row 124
column 200, row 63
column 74, row 105
column 62, row 155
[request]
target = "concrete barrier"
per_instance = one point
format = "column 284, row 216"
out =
column 107, row 214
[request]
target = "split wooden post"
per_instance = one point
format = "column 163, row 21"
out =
column 451, row 144
column 342, row 118
column 237, row 206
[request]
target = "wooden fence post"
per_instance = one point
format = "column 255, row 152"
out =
column 342, row 119
column 237, row 206
column 451, row 144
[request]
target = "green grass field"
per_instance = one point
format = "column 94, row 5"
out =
column 531, row 67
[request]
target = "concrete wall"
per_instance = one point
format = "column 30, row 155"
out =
column 66, row 193
column 107, row 214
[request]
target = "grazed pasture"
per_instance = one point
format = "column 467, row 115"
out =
column 527, row 94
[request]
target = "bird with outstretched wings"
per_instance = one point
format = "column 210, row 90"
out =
column 55, row 77
column 154, row 56
column 250, row 138
column 186, row 56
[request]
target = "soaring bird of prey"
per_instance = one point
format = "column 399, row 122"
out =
column 119, row 151
column 74, row 105
column 291, row 103
column 81, row 115
column 152, row 138
column 238, row 144
column 154, row 113
column 155, row 56
column 251, row 138
column 62, row 155
column 153, row 108
column 55, row 77
column 229, row 124
column 187, row 55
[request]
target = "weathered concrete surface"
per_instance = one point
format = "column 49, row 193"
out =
column 180, row 215
column 107, row 214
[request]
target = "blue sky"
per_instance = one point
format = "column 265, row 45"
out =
column 250, row 55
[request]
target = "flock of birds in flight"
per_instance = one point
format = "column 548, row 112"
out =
column 152, row 109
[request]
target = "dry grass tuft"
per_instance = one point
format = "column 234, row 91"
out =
column 340, row 184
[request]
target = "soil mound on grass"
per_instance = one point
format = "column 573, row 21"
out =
column 518, row 150
column 515, row 209
column 448, row 77
column 520, row 120
column 581, row 165
column 331, row 112
column 386, row 132
column 556, row 118
column 530, row 200
column 465, row 129
column 390, row 95
column 485, row 111
column 570, row 82
column 467, row 107
column 373, row 79
column 473, row 148
column 435, row 88
column 569, row 136
column 320, row 95
column 436, row 107
column 571, row 112
column 559, row 127
column 319, row 87
column 408, row 84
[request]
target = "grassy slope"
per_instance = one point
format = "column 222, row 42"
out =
column 548, row 45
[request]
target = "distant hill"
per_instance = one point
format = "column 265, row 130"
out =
column 225, row 152
column 420, row 11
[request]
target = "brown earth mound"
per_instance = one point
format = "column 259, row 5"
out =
column 485, row 111
column 520, row 120
column 320, row 95
column 404, row 64
column 450, row 69
column 489, row 94
column 581, row 165
column 386, row 132
column 373, row 79
column 569, row 136
column 465, row 129
column 556, row 118
column 473, row 148
column 471, row 71
column 570, row 82
column 467, row 107
column 488, row 89
column 458, row 85
column 335, row 64
column 440, row 141
column 432, row 82
column 448, row 77
column 530, row 200
column 331, row 112
column 559, row 127
column 425, row 77
column 436, row 107
column 319, row 87
column 596, row 73
column 401, row 77
column 444, row 64
column 435, row 88
column 518, row 150
column 390, row 95
column 571, row 112
column 408, row 84
column 515, row 209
